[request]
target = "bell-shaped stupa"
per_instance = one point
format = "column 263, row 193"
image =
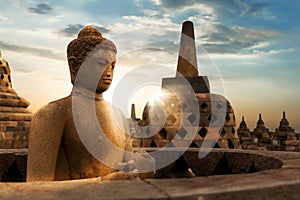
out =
column 244, row 134
column 14, row 116
column 285, row 136
column 188, row 107
column 261, row 132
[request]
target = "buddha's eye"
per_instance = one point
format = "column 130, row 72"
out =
column 113, row 64
column 103, row 62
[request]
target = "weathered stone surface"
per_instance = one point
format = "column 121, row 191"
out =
column 279, row 184
column 164, row 172
column 262, row 162
column 88, row 189
column 205, row 166
column 227, row 162
column 6, row 161
column 240, row 162
column 13, row 165
column 14, row 117
column 21, row 163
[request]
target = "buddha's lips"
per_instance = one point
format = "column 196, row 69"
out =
column 107, row 81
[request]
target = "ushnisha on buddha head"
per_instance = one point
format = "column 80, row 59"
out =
column 97, row 53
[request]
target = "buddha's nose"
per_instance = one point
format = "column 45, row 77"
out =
column 108, row 73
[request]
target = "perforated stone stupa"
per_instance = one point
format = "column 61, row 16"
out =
column 211, row 116
column 261, row 135
column 285, row 136
column 244, row 135
column 14, row 116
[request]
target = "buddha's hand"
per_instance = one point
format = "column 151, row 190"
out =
column 120, row 176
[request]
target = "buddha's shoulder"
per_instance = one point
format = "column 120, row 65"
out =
column 58, row 107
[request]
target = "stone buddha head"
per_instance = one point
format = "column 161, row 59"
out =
column 90, row 41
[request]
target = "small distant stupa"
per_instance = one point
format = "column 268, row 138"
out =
column 210, row 115
column 261, row 134
column 285, row 136
column 283, row 139
column 244, row 135
column 14, row 116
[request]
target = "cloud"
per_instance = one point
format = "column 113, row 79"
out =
column 42, row 9
column 40, row 52
column 220, row 39
column 2, row 18
column 215, row 36
column 236, row 39
column 147, row 56
column 72, row 30
column 255, row 8
column 23, row 71
column 242, row 8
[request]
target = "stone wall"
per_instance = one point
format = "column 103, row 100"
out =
column 14, row 116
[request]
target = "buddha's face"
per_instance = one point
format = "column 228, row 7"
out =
column 108, row 62
column 101, row 61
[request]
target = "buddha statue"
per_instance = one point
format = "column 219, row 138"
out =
column 56, row 151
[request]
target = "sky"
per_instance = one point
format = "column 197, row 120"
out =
column 249, row 49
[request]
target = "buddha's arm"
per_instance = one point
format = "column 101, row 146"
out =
column 45, row 136
column 128, row 144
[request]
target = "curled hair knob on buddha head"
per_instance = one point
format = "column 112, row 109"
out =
column 89, row 31
column 88, row 38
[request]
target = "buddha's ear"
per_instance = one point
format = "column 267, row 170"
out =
column 73, row 64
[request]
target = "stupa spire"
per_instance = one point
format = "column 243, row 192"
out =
column 187, row 59
column 133, row 115
column 243, row 124
column 260, row 122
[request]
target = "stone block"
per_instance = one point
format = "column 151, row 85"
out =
column 10, row 136
column 181, row 143
column 15, row 117
column 6, row 144
column 14, row 103
column 2, row 135
column 13, row 109
column 8, row 123
column 20, row 143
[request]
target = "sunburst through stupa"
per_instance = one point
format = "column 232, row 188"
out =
column 213, row 117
